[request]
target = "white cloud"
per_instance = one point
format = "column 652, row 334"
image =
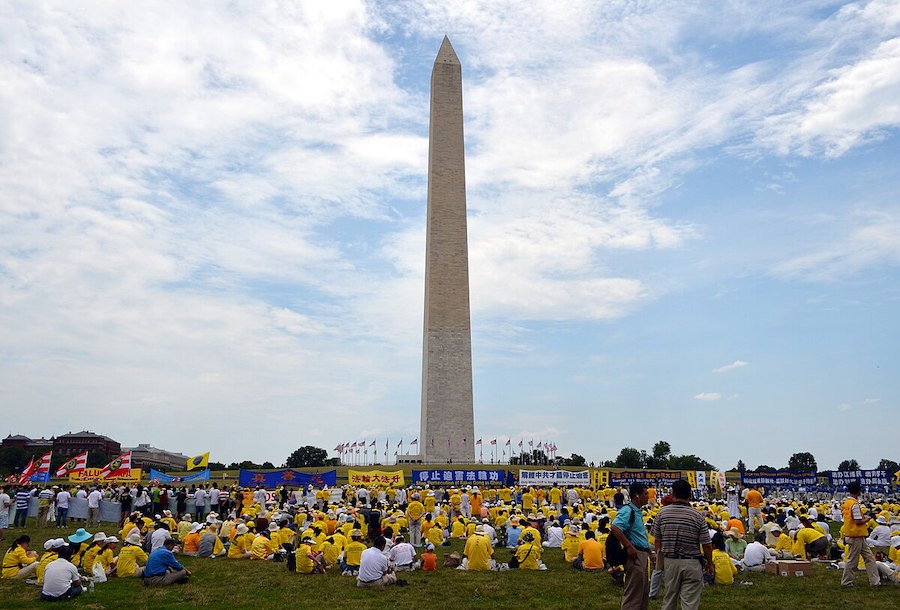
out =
column 872, row 239
column 844, row 407
column 871, row 401
column 737, row 364
column 708, row 396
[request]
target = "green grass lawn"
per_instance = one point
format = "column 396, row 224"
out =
column 220, row 583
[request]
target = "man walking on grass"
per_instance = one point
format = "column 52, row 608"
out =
column 680, row 533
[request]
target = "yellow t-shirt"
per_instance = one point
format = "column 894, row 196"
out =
column 13, row 559
column 129, row 558
column 528, row 555
column 354, row 552
column 305, row 563
column 45, row 559
column 478, row 550
column 261, row 548
column 570, row 546
column 725, row 568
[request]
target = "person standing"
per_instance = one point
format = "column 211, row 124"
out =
column 680, row 533
column 629, row 528
column 855, row 533
column 5, row 503
column 23, row 497
column 62, row 507
column 754, row 502
column 93, row 502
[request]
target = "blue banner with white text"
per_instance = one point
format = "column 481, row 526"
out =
column 463, row 477
column 287, row 478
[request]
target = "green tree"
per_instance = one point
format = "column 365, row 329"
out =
column 97, row 459
column 268, row 465
column 629, row 457
column 848, row 465
column 763, row 468
column 889, row 465
column 307, row 456
column 689, row 462
column 802, row 462
column 12, row 460
column 216, row 466
column 741, row 467
column 576, row 460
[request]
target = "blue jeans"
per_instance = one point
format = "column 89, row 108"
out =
column 21, row 517
column 61, row 516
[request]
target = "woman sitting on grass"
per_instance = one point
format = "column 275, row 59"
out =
column 725, row 568
column 19, row 562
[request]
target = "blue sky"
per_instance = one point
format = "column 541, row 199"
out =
column 683, row 223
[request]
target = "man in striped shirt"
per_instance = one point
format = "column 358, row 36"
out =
column 23, row 497
column 682, row 539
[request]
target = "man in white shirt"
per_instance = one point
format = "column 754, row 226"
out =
column 402, row 555
column 61, row 579
column 756, row 555
column 214, row 496
column 93, row 502
column 374, row 570
column 62, row 507
column 554, row 536
column 200, row 497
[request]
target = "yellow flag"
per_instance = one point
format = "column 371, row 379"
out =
column 897, row 477
column 198, row 461
column 692, row 478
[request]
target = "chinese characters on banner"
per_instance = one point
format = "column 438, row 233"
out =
column 866, row 478
column 784, row 479
column 547, row 478
column 483, row 477
column 393, row 478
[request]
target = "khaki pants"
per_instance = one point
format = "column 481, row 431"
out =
column 859, row 548
column 683, row 579
column 636, row 595
column 387, row 579
column 27, row 571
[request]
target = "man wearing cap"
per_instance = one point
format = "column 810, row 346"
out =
column 679, row 533
column 163, row 569
column 855, row 533
column 51, row 553
column 629, row 528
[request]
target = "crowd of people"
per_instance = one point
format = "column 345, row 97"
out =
column 671, row 541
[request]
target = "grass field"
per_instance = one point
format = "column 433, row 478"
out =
column 221, row 583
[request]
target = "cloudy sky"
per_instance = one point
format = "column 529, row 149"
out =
column 683, row 223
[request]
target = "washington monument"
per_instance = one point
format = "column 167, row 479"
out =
column 448, row 422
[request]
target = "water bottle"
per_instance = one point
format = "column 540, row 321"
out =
column 90, row 586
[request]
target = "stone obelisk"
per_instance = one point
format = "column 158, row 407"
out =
column 448, row 421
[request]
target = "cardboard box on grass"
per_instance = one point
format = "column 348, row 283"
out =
column 789, row 568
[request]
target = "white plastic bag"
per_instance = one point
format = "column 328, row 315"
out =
column 99, row 572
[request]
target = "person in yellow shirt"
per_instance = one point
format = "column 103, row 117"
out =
column 414, row 512
column 529, row 552
column 132, row 558
column 51, row 553
column 240, row 546
column 458, row 529
column 331, row 550
column 190, row 546
column 478, row 551
column 591, row 553
column 309, row 561
column 353, row 553
column 262, row 547
column 106, row 557
column 725, row 569
column 783, row 545
column 90, row 555
column 809, row 542
column 19, row 562
column 530, row 529
column 528, row 501
column 572, row 543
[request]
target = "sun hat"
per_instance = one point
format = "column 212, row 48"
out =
column 80, row 535
column 242, row 529
column 110, row 540
column 133, row 538
column 196, row 527
column 99, row 537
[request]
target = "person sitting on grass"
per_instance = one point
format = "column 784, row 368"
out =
column 735, row 545
column 240, row 545
column 19, row 562
column 529, row 553
column 308, row 560
column 429, row 558
column 757, row 554
column 190, row 545
column 478, row 552
column 374, row 570
column 591, row 554
column 61, row 578
column 403, row 555
column 132, row 558
column 725, row 568
column 210, row 545
column 262, row 547
column 353, row 554
column 163, row 569
column 51, row 553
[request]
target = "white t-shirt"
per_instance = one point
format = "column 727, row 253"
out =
column 94, row 499
column 81, row 494
column 58, row 577
column 214, row 496
column 5, row 501
column 62, row 499
column 372, row 565
column 200, row 497
column 403, row 554
column 755, row 554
